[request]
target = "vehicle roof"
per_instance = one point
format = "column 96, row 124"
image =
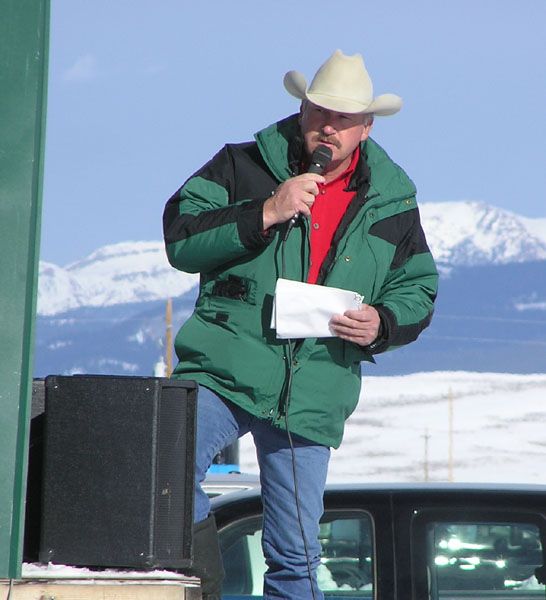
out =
column 216, row 484
column 233, row 477
column 428, row 489
column 439, row 486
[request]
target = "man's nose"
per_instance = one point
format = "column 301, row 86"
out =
column 328, row 129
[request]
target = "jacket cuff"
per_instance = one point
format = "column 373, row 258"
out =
column 387, row 328
column 250, row 225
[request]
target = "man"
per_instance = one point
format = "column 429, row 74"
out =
column 358, row 229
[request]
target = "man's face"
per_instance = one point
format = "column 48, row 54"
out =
column 341, row 132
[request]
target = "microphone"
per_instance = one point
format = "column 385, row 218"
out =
column 320, row 159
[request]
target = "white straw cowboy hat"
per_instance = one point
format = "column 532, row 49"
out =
column 342, row 84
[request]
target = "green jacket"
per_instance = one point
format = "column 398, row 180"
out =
column 213, row 225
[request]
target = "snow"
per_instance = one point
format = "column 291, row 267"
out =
column 523, row 306
column 115, row 274
column 473, row 233
column 125, row 366
column 536, row 227
column 67, row 573
column 58, row 290
column 498, row 428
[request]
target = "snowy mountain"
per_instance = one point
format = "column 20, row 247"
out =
column 118, row 274
column 474, row 233
column 106, row 313
column 459, row 234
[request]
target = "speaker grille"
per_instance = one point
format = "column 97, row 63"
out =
column 118, row 471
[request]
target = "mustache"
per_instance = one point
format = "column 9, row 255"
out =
column 328, row 139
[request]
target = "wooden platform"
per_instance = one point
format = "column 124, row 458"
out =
column 89, row 589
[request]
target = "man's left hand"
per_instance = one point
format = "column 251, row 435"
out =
column 359, row 326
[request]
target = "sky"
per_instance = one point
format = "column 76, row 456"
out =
column 142, row 93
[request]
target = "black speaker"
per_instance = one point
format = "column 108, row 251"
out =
column 118, row 471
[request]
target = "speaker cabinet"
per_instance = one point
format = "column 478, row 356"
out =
column 118, row 471
column 34, row 473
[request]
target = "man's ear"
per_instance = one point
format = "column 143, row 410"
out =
column 366, row 132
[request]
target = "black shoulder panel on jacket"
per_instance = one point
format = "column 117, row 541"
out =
column 253, row 179
column 183, row 226
column 242, row 172
column 404, row 231
column 176, row 227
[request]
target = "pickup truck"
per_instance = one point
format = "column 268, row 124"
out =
column 405, row 542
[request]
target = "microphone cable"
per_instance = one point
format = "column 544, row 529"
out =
column 321, row 157
column 286, row 402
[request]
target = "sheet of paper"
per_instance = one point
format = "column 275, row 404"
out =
column 304, row 310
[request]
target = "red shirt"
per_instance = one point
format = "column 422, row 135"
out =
column 326, row 213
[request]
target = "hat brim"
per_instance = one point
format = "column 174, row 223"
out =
column 382, row 106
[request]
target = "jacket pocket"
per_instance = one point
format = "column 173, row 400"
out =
column 231, row 315
column 233, row 287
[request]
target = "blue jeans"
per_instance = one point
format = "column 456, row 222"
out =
column 220, row 423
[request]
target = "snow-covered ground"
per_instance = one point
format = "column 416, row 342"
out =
column 96, row 575
column 498, row 430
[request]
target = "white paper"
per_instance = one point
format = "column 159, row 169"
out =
column 304, row 310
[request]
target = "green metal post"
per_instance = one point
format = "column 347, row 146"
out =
column 24, row 31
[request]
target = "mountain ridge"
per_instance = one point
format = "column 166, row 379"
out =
column 465, row 233
column 488, row 318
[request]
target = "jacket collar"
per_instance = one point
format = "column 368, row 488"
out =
column 281, row 146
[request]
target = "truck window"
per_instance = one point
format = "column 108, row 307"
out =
column 489, row 559
column 347, row 563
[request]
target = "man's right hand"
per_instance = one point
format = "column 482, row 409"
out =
column 294, row 196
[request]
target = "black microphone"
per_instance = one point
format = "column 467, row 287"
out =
column 320, row 159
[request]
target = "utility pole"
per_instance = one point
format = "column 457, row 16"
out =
column 450, row 435
column 169, row 338
column 425, row 464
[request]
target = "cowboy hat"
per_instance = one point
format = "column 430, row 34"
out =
column 342, row 84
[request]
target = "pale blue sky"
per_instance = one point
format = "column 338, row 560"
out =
column 141, row 93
